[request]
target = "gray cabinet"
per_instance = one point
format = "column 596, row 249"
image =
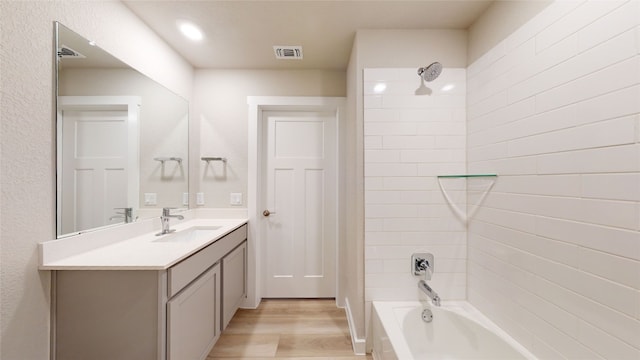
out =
column 193, row 322
column 234, row 282
column 173, row 314
column 105, row 315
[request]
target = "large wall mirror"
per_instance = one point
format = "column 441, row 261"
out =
column 121, row 139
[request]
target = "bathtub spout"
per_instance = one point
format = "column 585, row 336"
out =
column 422, row 285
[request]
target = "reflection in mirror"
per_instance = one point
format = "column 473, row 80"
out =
column 121, row 139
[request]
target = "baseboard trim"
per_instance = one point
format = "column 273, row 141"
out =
column 359, row 345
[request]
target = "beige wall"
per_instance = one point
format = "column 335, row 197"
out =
column 497, row 22
column 220, row 106
column 26, row 144
column 411, row 48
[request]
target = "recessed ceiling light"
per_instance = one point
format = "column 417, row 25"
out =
column 190, row 30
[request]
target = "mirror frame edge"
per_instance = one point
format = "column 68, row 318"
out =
column 54, row 128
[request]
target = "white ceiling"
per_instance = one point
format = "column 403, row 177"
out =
column 242, row 33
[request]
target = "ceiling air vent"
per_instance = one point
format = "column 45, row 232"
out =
column 67, row 52
column 288, row 52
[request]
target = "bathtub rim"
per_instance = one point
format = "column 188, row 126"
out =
column 385, row 310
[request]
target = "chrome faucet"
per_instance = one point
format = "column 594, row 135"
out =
column 422, row 263
column 165, row 218
column 435, row 299
column 126, row 214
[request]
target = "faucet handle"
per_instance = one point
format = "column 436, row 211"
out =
column 422, row 263
column 167, row 211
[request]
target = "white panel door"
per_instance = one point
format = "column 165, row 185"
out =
column 300, row 204
column 95, row 167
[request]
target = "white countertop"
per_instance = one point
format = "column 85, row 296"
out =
column 141, row 252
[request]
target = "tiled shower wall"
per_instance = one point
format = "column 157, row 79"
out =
column 409, row 139
column 554, row 252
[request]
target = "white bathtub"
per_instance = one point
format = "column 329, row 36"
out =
column 458, row 331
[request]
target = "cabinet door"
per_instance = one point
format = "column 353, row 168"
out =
column 193, row 322
column 234, row 284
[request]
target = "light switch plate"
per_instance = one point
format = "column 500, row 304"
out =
column 185, row 199
column 150, row 198
column 200, row 198
column 235, row 199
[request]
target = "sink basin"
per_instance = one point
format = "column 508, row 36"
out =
column 199, row 233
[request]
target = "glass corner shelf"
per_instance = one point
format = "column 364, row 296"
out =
column 462, row 214
column 466, row 176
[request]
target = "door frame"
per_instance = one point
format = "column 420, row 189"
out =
column 257, row 106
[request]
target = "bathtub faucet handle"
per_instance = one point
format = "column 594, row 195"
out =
column 420, row 266
column 422, row 263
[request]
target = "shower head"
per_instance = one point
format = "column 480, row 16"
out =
column 431, row 72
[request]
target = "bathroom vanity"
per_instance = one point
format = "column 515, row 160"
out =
column 149, row 297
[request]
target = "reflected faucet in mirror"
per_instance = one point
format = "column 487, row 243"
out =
column 126, row 214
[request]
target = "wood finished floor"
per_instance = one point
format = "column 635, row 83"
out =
column 287, row 329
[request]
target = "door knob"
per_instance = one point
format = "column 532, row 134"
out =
column 267, row 213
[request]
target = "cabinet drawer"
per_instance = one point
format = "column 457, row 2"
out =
column 193, row 320
column 181, row 274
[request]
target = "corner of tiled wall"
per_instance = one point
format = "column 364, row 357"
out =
column 409, row 140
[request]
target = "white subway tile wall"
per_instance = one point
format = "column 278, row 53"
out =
column 409, row 140
column 554, row 250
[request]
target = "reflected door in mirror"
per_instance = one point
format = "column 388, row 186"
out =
column 98, row 134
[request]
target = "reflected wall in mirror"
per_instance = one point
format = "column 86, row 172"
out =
column 121, row 139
